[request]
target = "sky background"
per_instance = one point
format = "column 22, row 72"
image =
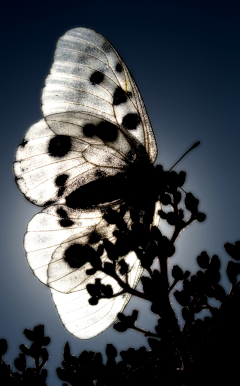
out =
column 185, row 58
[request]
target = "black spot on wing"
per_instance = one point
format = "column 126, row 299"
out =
column 61, row 191
column 61, row 180
column 62, row 213
column 94, row 238
column 106, row 47
column 77, row 255
column 107, row 131
column 66, row 222
column 100, row 173
column 89, row 130
column 130, row 155
column 59, row 146
column 23, row 143
column 74, row 256
column 131, row 121
column 119, row 96
column 96, row 77
column 119, row 67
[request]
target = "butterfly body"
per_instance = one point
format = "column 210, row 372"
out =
column 92, row 153
column 125, row 186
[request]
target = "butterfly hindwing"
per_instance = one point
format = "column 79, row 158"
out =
column 49, row 229
column 84, row 321
column 58, row 256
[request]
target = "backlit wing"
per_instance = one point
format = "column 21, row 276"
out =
column 73, row 163
column 89, row 77
column 50, row 247
column 48, row 167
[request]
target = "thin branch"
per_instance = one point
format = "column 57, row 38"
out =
column 38, row 368
column 126, row 286
column 127, row 279
column 233, row 287
column 191, row 306
column 114, row 295
column 146, row 333
column 175, row 281
column 178, row 229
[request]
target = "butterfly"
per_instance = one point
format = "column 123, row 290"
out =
column 93, row 150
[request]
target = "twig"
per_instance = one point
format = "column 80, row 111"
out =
column 146, row 333
column 114, row 295
column 126, row 286
column 175, row 281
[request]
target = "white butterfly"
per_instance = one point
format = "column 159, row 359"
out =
column 94, row 149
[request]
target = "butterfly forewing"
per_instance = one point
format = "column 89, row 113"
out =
column 49, row 167
column 87, row 155
column 88, row 75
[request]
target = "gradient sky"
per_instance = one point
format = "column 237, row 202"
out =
column 185, row 58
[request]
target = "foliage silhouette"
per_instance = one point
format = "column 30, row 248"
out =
column 37, row 351
column 203, row 351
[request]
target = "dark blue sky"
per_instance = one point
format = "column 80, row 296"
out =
column 185, row 58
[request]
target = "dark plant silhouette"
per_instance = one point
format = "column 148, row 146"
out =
column 37, row 351
column 203, row 351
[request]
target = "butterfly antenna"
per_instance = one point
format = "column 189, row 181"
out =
column 191, row 148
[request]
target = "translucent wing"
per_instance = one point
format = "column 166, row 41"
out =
column 58, row 227
column 48, row 167
column 89, row 77
column 51, row 252
column 84, row 321
column 89, row 153
column 49, row 248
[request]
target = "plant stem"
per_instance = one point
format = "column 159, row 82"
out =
column 126, row 286
column 146, row 333
column 175, row 281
